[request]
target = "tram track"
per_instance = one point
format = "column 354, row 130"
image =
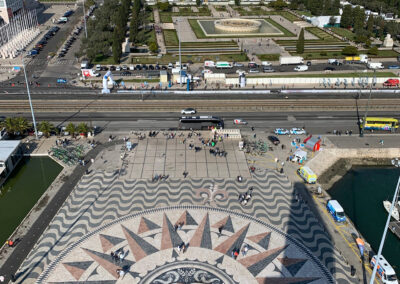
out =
column 277, row 105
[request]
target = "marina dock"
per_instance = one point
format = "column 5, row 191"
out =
column 394, row 226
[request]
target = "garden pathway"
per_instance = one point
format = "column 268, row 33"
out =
column 159, row 35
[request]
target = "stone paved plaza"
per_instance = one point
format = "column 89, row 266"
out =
column 109, row 210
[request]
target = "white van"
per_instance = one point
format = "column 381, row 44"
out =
column 385, row 271
column 301, row 68
column 266, row 63
column 209, row 63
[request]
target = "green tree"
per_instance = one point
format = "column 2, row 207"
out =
column 71, row 129
column 336, row 7
column 9, row 125
column 359, row 20
column 198, row 3
column 237, row 2
column 22, row 125
column 332, row 21
column 370, row 25
column 346, row 20
column 350, row 50
column 116, row 48
column 153, row 47
column 89, row 3
column 300, row 43
column 46, row 127
column 83, row 128
column 163, row 6
column 278, row 5
column 373, row 51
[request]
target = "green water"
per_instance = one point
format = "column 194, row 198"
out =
column 361, row 193
column 23, row 189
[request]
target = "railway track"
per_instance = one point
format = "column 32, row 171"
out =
column 98, row 105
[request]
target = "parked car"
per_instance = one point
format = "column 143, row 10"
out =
column 308, row 63
column 138, row 67
column 131, row 67
column 170, row 65
column 252, row 65
column 124, row 67
column 98, row 67
column 240, row 71
column 281, row 131
column 297, row 131
column 61, row 81
column 393, row 67
column 188, row 111
column 274, row 140
column 239, row 121
column 268, row 70
column 151, row 67
column 118, row 68
column 329, row 68
column 238, row 64
column 164, row 67
column 112, row 68
column 254, row 71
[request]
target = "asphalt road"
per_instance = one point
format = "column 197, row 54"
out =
column 316, row 122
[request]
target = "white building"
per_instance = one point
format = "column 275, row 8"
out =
column 323, row 21
column 10, row 155
column 9, row 8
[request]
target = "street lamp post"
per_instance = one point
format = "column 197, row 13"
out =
column 84, row 18
column 395, row 163
column 30, row 100
column 180, row 56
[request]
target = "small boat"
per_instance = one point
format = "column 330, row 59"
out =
column 361, row 245
column 395, row 213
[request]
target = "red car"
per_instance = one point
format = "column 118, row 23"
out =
column 391, row 83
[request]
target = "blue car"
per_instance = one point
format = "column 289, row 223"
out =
column 61, row 81
column 281, row 131
column 394, row 67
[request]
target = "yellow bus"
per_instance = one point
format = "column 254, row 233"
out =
column 381, row 123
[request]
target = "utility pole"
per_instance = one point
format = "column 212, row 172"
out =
column 30, row 100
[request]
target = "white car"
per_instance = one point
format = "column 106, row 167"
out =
column 118, row 68
column 188, row 111
column 239, row 71
column 297, row 131
column 266, row 63
column 281, row 131
column 239, row 121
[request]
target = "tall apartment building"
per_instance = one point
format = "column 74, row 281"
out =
column 8, row 8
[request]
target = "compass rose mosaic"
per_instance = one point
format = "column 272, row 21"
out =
column 192, row 244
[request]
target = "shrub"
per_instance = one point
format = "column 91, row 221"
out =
column 373, row 50
column 350, row 50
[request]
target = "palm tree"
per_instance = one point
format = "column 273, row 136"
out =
column 46, row 127
column 83, row 128
column 71, row 129
column 9, row 125
column 21, row 125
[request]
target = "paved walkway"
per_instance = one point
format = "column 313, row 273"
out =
column 159, row 36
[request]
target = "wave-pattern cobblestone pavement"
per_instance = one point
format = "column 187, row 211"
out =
column 101, row 197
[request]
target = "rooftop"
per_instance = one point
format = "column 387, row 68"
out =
column 7, row 148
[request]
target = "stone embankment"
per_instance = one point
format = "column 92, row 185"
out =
column 331, row 164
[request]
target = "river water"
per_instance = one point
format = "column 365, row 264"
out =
column 361, row 193
column 22, row 190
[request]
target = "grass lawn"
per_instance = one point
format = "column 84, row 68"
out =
column 170, row 38
column 146, row 37
column 167, row 58
column 165, row 17
column 200, row 34
column 338, row 54
column 304, row 13
column 103, row 60
column 269, row 57
column 344, row 33
column 332, row 75
column 291, row 42
column 257, row 11
column 321, row 34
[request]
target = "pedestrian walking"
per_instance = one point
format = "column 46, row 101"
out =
column 92, row 160
column 245, row 249
column 1, row 278
column 220, row 228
